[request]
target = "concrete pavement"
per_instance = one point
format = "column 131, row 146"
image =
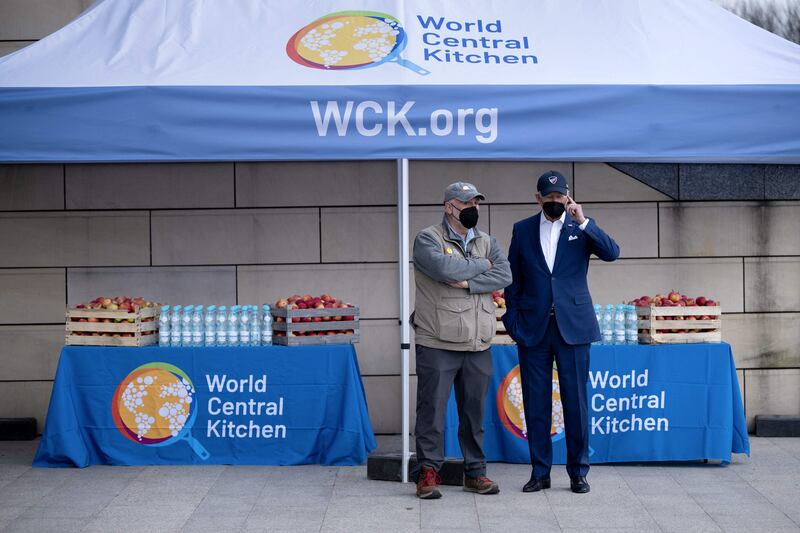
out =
column 761, row 493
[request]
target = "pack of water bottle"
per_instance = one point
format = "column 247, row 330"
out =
column 617, row 324
column 196, row 325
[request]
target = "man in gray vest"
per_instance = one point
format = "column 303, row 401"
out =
column 456, row 268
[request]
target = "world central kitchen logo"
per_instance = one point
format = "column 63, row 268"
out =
column 155, row 406
column 511, row 410
column 349, row 40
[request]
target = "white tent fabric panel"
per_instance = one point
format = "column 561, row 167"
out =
column 243, row 43
column 581, row 80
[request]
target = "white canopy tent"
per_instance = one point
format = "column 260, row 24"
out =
column 236, row 80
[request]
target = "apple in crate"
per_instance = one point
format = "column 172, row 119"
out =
column 499, row 300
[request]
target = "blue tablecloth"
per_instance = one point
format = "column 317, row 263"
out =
column 673, row 402
column 145, row 406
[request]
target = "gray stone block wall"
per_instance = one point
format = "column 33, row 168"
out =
column 28, row 20
column 251, row 233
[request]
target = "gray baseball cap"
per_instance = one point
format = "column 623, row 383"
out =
column 463, row 191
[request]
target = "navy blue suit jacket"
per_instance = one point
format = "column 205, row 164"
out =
column 534, row 289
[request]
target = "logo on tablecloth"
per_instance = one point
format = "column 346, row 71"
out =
column 155, row 406
column 511, row 410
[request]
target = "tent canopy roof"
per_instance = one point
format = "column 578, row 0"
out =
column 244, row 42
column 624, row 80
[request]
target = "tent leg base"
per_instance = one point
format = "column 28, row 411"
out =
column 388, row 467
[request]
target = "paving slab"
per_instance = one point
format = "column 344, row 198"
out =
column 760, row 493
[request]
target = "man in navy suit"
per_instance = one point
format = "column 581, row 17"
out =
column 550, row 314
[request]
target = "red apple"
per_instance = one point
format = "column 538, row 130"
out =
column 700, row 300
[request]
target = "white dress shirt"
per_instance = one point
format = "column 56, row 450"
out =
column 549, row 233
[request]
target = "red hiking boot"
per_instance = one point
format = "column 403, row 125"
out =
column 428, row 484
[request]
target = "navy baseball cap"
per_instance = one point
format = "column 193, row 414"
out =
column 552, row 181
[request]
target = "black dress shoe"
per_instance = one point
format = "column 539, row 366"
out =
column 579, row 485
column 536, row 484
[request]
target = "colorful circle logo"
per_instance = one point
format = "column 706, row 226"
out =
column 155, row 405
column 351, row 40
column 511, row 409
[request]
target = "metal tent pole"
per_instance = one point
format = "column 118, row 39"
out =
column 405, row 303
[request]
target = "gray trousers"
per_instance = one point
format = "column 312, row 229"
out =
column 437, row 372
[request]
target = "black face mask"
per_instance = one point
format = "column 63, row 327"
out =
column 467, row 216
column 553, row 209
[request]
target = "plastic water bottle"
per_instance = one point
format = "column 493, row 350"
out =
column 175, row 326
column 244, row 326
column 186, row 325
column 598, row 314
column 163, row 326
column 255, row 327
column 197, row 326
column 619, row 324
column 631, row 329
column 266, row 325
column 222, row 326
column 210, row 326
column 607, row 325
column 233, row 326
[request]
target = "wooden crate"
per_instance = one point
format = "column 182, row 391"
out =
column 653, row 330
column 138, row 328
column 290, row 325
column 501, row 337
